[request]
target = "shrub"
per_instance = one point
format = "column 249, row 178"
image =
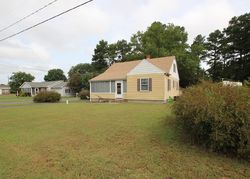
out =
column 217, row 117
column 23, row 94
column 47, row 97
column 83, row 94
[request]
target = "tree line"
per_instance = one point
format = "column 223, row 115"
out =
column 226, row 52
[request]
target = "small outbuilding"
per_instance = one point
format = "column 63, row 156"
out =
column 4, row 89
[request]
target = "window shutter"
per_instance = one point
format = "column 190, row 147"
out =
column 150, row 84
column 138, row 84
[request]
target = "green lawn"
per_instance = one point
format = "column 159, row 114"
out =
column 84, row 140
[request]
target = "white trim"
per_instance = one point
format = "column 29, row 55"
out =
column 165, row 89
column 148, row 84
column 110, row 84
column 119, row 95
column 171, row 71
column 90, row 91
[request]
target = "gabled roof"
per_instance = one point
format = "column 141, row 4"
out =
column 3, row 86
column 60, row 85
column 44, row 84
column 119, row 71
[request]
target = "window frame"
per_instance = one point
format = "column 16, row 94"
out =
column 144, row 84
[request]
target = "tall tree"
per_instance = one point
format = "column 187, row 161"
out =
column 55, row 75
column 198, row 54
column 214, row 54
column 81, row 68
column 165, row 40
column 80, row 75
column 100, row 57
column 238, row 40
column 17, row 79
column 75, row 82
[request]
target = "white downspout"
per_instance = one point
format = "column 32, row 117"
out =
column 90, row 91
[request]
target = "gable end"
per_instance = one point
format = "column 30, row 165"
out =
column 144, row 67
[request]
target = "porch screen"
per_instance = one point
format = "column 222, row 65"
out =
column 124, row 86
column 100, row 86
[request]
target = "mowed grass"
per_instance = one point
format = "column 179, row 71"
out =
column 84, row 140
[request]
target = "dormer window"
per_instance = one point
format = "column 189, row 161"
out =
column 174, row 68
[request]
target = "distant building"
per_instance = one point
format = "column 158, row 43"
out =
column 33, row 88
column 231, row 83
column 4, row 89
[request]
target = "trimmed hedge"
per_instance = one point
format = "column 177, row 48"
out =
column 217, row 117
column 83, row 94
column 47, row 97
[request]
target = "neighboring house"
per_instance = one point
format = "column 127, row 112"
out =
column 4, row 89
column 142, row 80
column 34, row 88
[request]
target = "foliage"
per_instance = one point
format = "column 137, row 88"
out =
column 17, row 79
column 75, row 82
column 81, row 68
column 84, row 94
column 214, row 55
column 23, row 94
column 80, row 75
column 47, row 97
column 217, row 116
column 228, row 51
column 247, row 82
column 55, row 75
column 99, row 59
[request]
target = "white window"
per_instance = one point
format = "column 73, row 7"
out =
column 144, row 84
column 174, row 68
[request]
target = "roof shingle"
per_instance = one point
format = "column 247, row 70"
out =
column 119, row 71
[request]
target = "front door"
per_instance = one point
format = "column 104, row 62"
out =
column 118, row 89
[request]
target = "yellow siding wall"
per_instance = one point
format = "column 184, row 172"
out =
column 159, row 83
column 157, row 92
column 174, row 90
column 102, row 95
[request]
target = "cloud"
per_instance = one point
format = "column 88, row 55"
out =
column 206, row 17
column 14, row 49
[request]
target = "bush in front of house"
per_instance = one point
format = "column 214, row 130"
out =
column 23, row 94
column 47, row 97
column 217, row 117
column 84, row 94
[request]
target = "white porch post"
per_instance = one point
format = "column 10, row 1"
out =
column 90, row 91
column 31, row 92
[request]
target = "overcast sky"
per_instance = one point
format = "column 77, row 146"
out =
column 71, row 39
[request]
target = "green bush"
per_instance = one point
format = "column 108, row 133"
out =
column 217, row 117
column 84, row 94
column 23, row 94
column 47, row 97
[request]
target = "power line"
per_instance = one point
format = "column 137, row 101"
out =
column 31, row 27
column 38, row 10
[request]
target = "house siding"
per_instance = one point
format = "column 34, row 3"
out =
column 157, row 92
column 96, row 96
column 174, row 89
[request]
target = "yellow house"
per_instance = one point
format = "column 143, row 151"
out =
column 154, row 79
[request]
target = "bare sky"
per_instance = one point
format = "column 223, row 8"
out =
column 71, row 39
